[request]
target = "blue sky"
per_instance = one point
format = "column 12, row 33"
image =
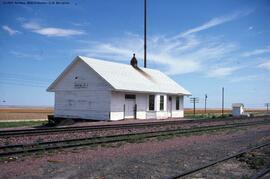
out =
column 203, row 45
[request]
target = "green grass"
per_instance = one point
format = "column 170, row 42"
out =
column 21, row 124
column 209, row 116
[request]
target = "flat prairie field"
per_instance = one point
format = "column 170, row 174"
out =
column 24, row 113
column 218, row 111
column 42, row 113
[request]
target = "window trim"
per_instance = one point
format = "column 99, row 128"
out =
column 177, row 103
column 163, row 100
column 151, row 95
column 130, row 96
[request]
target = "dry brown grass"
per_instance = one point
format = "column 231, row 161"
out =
column 42, row 113
column 24, row 113
column 217, row 111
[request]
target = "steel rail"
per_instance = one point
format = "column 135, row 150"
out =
column 132, row 134
column 82, row 128
column 262, row 173
column 219, row 161
column 42, row 146
column 47, row 130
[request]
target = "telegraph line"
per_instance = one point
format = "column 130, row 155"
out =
column 22, row 84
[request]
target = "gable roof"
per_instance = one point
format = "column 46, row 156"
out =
column 124, row 77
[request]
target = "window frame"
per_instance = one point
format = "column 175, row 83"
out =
column 151, row 102
column 177, row 103
column 130, row 96
column 161, row 104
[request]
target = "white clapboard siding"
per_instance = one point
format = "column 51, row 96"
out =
column 82, row 94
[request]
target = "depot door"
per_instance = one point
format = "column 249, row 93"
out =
column 169, row 107
column 130, row 101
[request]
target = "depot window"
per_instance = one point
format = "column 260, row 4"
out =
column 177, row 103
column 130, row 96
column 161, row 103
column 151, row 104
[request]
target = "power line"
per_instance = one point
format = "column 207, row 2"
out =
column 24, row 80
column 24, row 75
column 22, row 84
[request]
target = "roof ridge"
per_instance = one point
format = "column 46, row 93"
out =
column 106, row 61
column 125, row 77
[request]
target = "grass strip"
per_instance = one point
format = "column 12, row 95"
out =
column 20, row 124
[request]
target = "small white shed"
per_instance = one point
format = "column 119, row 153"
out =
column 237, row 109
column 101, row 90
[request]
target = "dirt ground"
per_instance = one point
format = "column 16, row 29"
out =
column 151, row 159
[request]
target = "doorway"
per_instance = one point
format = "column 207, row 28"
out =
column 130, row 105
column 169, row 108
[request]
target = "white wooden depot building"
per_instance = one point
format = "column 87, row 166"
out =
column 101, row 90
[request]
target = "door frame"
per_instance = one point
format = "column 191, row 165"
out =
column 170, row 104
column 130, row 97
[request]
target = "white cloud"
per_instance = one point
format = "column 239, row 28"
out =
column 216, row 21
column 58, row 32
column 250, row 28
column 51, row 31
column 256, row 52
column 265, row 65
column 221, row 71
column 26, row 56
column 175, row 56
column 179, row 54
column 9, row 30
column 244, row 78
column 31, row 25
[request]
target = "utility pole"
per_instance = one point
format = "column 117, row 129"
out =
column 222, row 111
column 145, row 8
column 205, row 100
column 267, row 106
column 194, row 101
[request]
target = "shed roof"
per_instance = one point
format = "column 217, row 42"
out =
column 124, row 77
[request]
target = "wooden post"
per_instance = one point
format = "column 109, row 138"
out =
column 222, row 111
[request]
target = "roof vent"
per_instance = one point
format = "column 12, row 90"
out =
column 133, row 61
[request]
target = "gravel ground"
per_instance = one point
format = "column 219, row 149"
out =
column 151, row 159
column 244, row 166
column 84, row 134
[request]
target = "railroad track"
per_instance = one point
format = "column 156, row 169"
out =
column 258, row 175
column 47, row 130
column 51, row 130
column 8, row 150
